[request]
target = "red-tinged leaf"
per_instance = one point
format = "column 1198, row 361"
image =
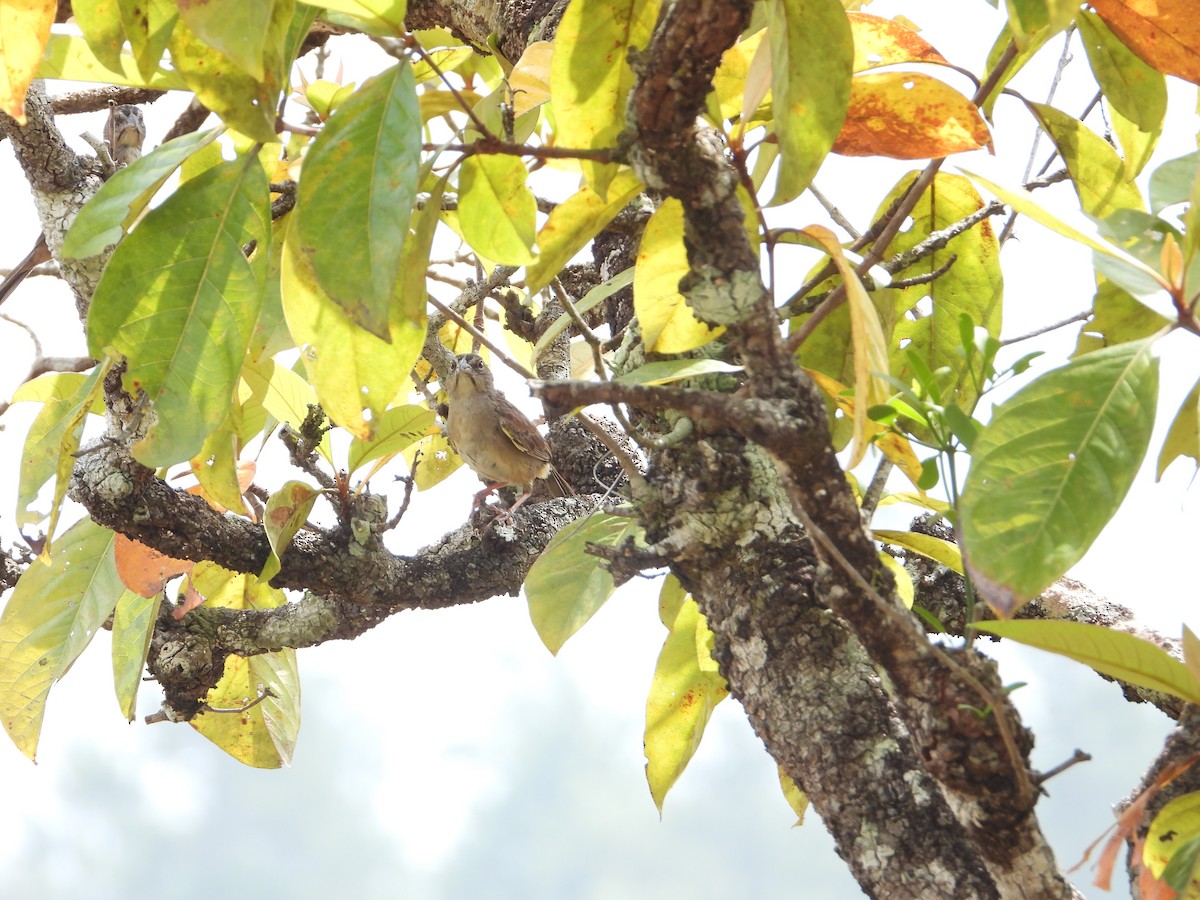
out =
column 191, row 599
column 907, row 115
column 286, row 511
column 884, row 42
column 1164, row 33
column 144, row 570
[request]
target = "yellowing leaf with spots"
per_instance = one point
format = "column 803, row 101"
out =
column 286, row 511
column 668, row 325
column 24, row 31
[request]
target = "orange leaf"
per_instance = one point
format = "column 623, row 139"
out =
column 24, row 31
column 1164, row 33
column 191, row 599
column 884, row 42
column 906, row 115
column 143, row 570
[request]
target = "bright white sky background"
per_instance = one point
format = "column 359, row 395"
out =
column 447, row 754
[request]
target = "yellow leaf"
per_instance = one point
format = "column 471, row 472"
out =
column 496, row 209
column 907, row 115
column 24, row 31
column 884, row 42
column 668, row 325
column 590, row 75
column 866, row 337
column 529, row 80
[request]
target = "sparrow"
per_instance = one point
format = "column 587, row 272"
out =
column 493, row 437
column 125, row 132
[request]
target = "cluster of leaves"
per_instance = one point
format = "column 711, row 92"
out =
column 206, row 289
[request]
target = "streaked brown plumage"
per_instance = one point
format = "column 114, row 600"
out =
column 494, row 437
column 125, row 132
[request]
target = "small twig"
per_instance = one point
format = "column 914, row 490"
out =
column 834, row 213
column 409, row 481
column 495, row 145
column 1079, row 756
column 1046, row 329
column 871, row 498
column 939, row 239
column 286, row 201
column 479, row 336
column 920, row 279
column 263, row 695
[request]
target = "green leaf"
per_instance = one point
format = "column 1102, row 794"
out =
column 668, row 325
column 668, row 370
column 1134, row 91
column 1183, row 438
column 592, row 298
column 283, row 393
column 972, row 286
column 356, row 194
column 53, row 438
column 567, row 585
column 1116, row 653
column 148, row 26
column 1023, row 56
column 52, row 615
column 68, row 57
column 935, row 548
column 1023, row 202
column 1172, row 182
column 573, row 223
column 590, row 76
column 1173, row 842
column 238, row 30
column 113, row 209
column 383, row 17
column 179, row 300
column 1116, row 319
column 1038, row 20
column 1097, row 172
column 133, row 626
column 1051, row 468
column 812, row 58
column 100, row 22
column 287, row 510
column 498, row 213
column 263, row 736
column 395, row 429
column 243, row 101
column 685, row 690
column 350, row 367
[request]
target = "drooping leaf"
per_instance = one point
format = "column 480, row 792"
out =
column 685, row 690
column 287, row 510
column 908, row 115
column 350, row 367
column 1097, row 172
column 143, row 569
column 668, row 325
column 795, row 797
column 497, row 211
column 243, row 101
column 52, row 615
column 100, row 22
column 567, row 585
column 866, row 340
column 1173, row 181
column 885, row 42
column 590, row 76
column 264, row 735
column 179, row 300
column 53, row 438
column 573, row 223
column 356, row 194
column 1032, row 20
column 904, row 585
column 1164, row 33
column 24, row 31
column 133, row 626
column 148, row 26
column 1116, row 318
column 812, row 53
column 1134, row 91
column 113, row 209
column 396, row 429
column 238, row 30
column 1183, row 438
column 1116, row 653
column 1052, row 467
